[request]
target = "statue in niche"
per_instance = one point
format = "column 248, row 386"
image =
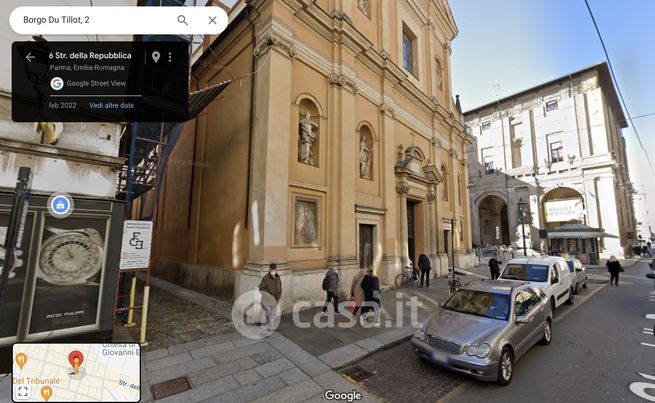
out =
column 364, row 160
column 362, row 5
column 438, row 74
column 307, row 138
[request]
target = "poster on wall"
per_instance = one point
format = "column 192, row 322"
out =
column 564, row 210
column 69, row 271
column 10, row 307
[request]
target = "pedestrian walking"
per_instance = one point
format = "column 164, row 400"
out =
column 614, row 267
column 331, row 287
column 494, row 267
column 371, row 287
column 271, row 289
column 357, row 292
column 646, row 251
column 424, row 265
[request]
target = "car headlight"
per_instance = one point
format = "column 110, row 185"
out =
column 480, row 351
column 419, row 331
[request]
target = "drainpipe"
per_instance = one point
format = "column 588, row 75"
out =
column 252, row 118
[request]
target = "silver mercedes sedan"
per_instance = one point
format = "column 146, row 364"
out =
column 484, row 327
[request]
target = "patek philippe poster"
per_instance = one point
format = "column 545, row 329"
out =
column 10, row 307
column 69, row 271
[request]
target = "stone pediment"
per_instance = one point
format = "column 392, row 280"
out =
column 432, row 174
column 412, row 163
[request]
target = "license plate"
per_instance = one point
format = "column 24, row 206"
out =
column 440, row 357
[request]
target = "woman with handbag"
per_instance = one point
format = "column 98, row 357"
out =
column 614, row 267
column 357, row 292
column 371, row 287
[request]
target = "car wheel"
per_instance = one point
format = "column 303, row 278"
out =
column 548, row 333
column 552, row 305
column 585, row 284
column 575, row 291
column 505, row 367
column 570, row 300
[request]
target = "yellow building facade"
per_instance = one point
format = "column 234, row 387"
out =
column 337, row 143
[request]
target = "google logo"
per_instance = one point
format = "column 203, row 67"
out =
column 57, row 83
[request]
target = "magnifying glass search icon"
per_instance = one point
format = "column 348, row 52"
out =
column 182, row 20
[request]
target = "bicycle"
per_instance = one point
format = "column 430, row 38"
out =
column 408, row 276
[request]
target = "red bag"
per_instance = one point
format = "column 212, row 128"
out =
column 351, row 305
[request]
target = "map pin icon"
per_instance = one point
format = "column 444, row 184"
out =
column 155, row 56
column 46, row 393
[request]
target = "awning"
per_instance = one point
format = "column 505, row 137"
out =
column 199, row 100
column 578, row 231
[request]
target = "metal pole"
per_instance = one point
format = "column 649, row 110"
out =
column 131, row 168
column 15, row 225
column 525, row 252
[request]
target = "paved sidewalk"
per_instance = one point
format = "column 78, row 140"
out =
column 233, row 368
column 338, row 345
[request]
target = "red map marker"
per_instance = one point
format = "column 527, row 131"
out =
column 76, row 358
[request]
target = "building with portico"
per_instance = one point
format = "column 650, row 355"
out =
column 556, row 152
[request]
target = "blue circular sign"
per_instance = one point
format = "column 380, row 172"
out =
column 60, row 205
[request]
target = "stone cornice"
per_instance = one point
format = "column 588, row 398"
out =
column 342, row 81
column 272, row 40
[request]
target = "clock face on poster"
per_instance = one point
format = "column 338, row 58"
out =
column 71, row 257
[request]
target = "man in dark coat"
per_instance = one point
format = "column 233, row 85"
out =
column 332, row 290
column 614, row 267
column 371, row 287
column 494, row 267
column 271, row 289
column 424, row 265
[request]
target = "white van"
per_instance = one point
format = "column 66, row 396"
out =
column 550, row 273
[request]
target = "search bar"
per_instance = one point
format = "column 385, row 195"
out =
column 118, row 20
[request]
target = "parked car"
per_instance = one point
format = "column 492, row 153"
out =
column 579, row 274
column 484, row 327
column 550, row 273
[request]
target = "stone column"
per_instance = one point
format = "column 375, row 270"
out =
column 403, row 189
column 270, row 168
column 391, row 264
column 342, row 154
column 432, row 222
column 610, row 216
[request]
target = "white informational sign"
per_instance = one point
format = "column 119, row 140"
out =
column 564, row 210
column 135, row 249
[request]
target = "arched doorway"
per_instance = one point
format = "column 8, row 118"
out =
column 494, row 221
column 562, row 206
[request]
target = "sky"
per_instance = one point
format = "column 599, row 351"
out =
column 522, row 43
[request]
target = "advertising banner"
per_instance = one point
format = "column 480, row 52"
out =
column 564, row 210
column 70, row 264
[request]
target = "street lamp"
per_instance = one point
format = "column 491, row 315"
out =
column 523, row 215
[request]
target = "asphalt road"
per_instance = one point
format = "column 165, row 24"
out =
column 596, row 353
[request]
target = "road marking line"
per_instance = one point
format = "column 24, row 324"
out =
column 647, row 344
column 650, row 316
column 649, row 377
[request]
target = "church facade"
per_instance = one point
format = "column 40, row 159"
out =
column 337, row 143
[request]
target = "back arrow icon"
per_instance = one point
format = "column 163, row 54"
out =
column 29, row 57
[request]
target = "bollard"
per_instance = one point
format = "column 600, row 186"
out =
column 144, row 316
column 130, row 314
